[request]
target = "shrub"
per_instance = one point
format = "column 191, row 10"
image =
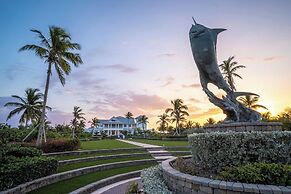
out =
column 132, row 188
column 182, row 165
column 18, row 151
column 152, row 179
column 213, row 151
column 25, row 169
column 61, row 145
column 259, row 173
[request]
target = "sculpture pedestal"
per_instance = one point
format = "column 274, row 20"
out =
column 245, row 126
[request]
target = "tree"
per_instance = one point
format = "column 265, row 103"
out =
column 163, row 121
column 210, row 121
column 143, row 120
column 178, row 113
column 251, row 102
column 229, row 69
column 78, row 117
column 55, row 50
column 129, row 116
column 94, row 122
column 285, row 118
column 189, row 125
column 267, row 116
column 30, row 106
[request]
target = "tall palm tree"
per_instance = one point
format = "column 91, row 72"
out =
column 78, row 117
column 30, row 106
column 229, row 69
column 251, row 102
column 129, row 116
column 143, row 120
column 178, row 113
column 163, row 121
column 94, row 122
column 56, row 51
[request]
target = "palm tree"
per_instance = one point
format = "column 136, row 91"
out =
column 78, row 117
column 55, row 50
column 229, row 68
column 267, row 116
column 189, row 124
column 251, row 102
column 210, row 121
column 178, row 113
column 94, row 122
column 163, row 122
column 143, row 120
column 30, row 106
column 129, row 116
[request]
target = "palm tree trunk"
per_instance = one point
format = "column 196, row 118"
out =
column 41, row 132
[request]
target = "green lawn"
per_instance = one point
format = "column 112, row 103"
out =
column 98, row 154
column 162, row 143
column 104, row 144
column 69, row 185
column 68, row 167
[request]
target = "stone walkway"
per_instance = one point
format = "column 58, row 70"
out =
column 119, row 187
column 158, row 153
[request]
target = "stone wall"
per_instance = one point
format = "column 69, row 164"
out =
column 41, row 182
column 104, row 182
column 181, row 183
column 245, row 126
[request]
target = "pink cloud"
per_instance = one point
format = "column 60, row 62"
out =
column 207, row 113
column 119, row 67
column 272, row 58
column 191, row 85
column 168, row 81
column 166, row 55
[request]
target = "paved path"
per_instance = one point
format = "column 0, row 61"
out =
column 161, row 153
column 119, row 187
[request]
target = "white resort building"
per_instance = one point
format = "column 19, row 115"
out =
column 116, row 125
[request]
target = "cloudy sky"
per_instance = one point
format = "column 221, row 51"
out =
column 137, row 55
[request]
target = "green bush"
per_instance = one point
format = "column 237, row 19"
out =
column 25, row 169
column 213, row 151
column 19, row 151
column 259, row 173
column 61, row 145
column 132, row 188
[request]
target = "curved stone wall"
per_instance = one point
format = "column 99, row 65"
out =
column 41, row 182
column 181, row 183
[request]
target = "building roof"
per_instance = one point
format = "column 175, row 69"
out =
column 118, row 120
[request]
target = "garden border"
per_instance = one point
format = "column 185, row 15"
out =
column 68, row 153
column 41, row 182
column 180, row 182
column 107, row 181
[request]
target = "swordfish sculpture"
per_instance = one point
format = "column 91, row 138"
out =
column 203, row 44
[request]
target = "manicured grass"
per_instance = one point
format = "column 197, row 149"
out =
column 104, row 144
column 98, row 154
column 69, row 185
column 162, row 143
column 68, row 167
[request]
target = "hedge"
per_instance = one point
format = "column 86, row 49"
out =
column 153, row 182
column 259, row 173
column 215, row 150
column 61, row 145
column 25, row 169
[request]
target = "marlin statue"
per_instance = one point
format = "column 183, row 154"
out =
column 203, row 44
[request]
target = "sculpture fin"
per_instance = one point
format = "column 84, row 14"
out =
column 216, row 31
column 237, row 94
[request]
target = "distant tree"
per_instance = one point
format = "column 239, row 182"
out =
column 229, row 69
column 163, row 122
column 210, row 121
column 129, row 116
column 267, row 117
column 30, row 106
column 78, row 116
column 55, row 50
column 143, row 120
column 178, row 113
column 197, row 125
column 251, row 102
column 285, row 118
column 189, row 124
column 94, row 122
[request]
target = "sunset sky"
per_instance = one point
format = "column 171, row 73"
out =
column 137, row 55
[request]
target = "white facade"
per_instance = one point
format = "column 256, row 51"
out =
column 116, row 125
